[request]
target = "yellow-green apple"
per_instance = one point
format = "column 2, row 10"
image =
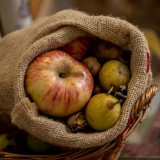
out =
column 4, row 141
column 104, row 50
column 114, row 73
column 59, row 84
column 78, row 48
column 37, row 145
column 102, row 111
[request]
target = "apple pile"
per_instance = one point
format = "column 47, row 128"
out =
column 83, row 83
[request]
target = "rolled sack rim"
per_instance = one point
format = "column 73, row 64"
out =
column 136, row 43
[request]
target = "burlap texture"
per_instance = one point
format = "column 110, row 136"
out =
column 19, row 48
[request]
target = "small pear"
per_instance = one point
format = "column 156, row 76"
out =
column 104, row 50
column 92, row 64
column 102, row 111
column 114, row 73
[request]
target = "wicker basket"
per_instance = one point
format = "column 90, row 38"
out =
column 112, row 149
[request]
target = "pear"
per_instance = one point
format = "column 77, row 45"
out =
column 102, row 111
column 104, row 50
column 114, row 73
column 92, row 64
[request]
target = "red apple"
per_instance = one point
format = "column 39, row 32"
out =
column 59, row 84
column 78, row 48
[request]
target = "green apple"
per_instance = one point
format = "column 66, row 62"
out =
column 37, row 145
column 114, row 73
column 4, row 141
column 102, row 111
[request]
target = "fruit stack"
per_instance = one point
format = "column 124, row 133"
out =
column 84, row 81
column 82, row 84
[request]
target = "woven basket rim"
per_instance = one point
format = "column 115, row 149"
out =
column 110, row 150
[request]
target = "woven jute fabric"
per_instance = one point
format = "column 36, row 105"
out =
column 19, row 48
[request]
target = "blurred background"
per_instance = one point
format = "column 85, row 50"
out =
column 145, row 14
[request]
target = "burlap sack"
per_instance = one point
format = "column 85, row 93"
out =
column 19, row 48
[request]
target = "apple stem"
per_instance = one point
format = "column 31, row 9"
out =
column 61, row 75
column 110, row 90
